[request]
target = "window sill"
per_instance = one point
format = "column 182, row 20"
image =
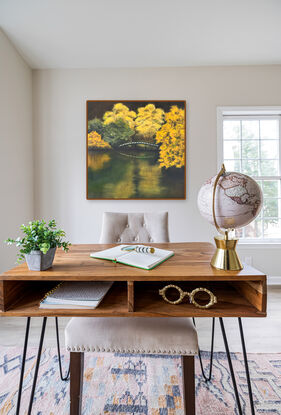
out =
column 260, row 244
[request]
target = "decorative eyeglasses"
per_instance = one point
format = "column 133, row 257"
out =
column 164, row 292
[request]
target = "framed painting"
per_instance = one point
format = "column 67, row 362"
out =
column 136, row 149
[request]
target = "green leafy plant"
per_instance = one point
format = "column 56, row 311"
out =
column 117, row 133
column 39, row 236
column 96, row 125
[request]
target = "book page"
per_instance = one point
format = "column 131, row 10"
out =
column 146, row 260
column 137, row 259
column 111, row 253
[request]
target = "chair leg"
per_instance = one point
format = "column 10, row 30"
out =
column 188, row 384
column 76, row 382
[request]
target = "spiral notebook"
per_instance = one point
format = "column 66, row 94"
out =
column 80, row 294
column 143, row 260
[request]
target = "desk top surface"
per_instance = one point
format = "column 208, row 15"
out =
column 190, row 262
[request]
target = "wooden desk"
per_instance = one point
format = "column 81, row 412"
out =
column 135, row 291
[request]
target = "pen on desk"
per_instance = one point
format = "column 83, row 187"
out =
column 140, row 249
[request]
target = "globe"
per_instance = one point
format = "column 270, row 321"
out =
column 238, row 200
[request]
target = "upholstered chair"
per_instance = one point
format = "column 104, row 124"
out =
column 134, row 227
column 141, row 335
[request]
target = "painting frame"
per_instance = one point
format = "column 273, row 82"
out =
column 124, row 101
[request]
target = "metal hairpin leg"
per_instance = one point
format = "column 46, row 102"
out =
column 37, row 365
column 246, row 366
column 207, row 378
column 37, row 362
column 66, row 377
column 23, row 364
column 231, row 367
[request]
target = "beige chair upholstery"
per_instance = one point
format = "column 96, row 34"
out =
column 134, row 227
column 174, row 336
column 163, row 335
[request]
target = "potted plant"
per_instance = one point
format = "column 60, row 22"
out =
column 39, row 244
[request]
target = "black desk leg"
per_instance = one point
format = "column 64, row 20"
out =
column 230, row 367
column 37, row 364
column 66, row 377
column 207, row 378
column 246, row 366
column 23, row 364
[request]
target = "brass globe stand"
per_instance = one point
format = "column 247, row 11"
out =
column 225, row 257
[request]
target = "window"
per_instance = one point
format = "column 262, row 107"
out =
column 250, row 144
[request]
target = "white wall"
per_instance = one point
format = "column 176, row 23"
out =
column 59, row 103
column 16, row 152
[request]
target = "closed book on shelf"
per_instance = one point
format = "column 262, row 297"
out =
column 83, row 294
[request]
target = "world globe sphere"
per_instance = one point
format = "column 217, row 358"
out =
column 238, row 200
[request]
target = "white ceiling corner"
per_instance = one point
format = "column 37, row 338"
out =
column 146, row 33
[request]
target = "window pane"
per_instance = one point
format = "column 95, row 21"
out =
column 272, row 228
column 250, row 167
column 231, row 130
column 269, row 129
column 232, row 165
column 270, row 208
column 270, row 149
column 232, row 149
column 269, row 168
column 250, row 149
column 254, row 229
column 251, row 146
column 239, row 233
column 250, row 129
column 271, row 188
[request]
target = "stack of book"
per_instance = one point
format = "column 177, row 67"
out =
column 77, row 295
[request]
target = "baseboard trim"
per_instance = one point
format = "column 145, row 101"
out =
column 273, row 280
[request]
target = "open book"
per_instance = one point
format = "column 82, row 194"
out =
column 144, row 260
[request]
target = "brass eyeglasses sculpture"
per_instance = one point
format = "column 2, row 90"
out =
column 191, row 295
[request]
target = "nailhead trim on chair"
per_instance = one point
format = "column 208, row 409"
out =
column 98, row 349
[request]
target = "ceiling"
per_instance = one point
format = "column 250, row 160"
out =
column 143, row 33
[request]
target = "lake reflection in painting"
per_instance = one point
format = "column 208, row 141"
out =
column 136, row 152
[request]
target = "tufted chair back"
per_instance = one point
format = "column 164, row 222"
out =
column 134, row 227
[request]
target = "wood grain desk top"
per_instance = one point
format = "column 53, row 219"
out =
column 190, row 262
column 135, row 291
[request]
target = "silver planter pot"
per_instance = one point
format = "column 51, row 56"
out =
column 37, row 261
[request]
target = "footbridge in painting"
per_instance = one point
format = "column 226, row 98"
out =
column 133, row 143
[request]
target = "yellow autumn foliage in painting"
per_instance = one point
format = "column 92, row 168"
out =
column 97, row 161
column 149, row 120
column 120, row 112
column 95, row 140
column 171, row 138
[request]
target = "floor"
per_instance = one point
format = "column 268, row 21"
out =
column 263, row 335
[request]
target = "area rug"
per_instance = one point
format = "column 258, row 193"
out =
column 141, row 385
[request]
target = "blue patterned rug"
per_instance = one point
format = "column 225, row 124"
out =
column 139, row 384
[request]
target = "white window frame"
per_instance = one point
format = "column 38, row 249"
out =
column 250, row 113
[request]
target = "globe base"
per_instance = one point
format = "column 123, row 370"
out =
column 226, row 257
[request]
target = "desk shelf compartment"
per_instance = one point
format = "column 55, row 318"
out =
column 22, row 299
column 139, row 299
column 235, row 299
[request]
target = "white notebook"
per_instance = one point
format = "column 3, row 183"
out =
column 76, row 294
column 143, row 260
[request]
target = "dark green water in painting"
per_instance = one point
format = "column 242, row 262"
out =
column 132, row 175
